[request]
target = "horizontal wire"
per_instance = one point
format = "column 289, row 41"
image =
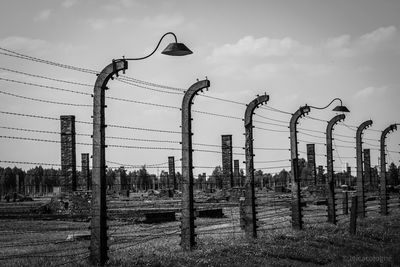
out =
column 85, row 122
column 47, row 78
column 45, row 101
column 276, row 110
column 308, row 141
column 89, row 144
column 107, row 137
column 271, row 148
column 152, row 84
column 45, row 86
column 321, row 137
column 146, row 87
column 107, row 97
column 222, row 99
column 122, row 78
column 216, row 114
column 271, row 119
column 271, row 161
column 274, row 167
column 271, row 130
column 34, row 59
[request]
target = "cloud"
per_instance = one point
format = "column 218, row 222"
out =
column 43, row 15
column 22, row 43
column 97, row 24
column 370, row 92
column 380, row 35
column 339, row 46
column 38, row 47
column 265, row 56
column 68, row 3
column 262, row 47
column 345, row 46
column 119, row 5
column 163, row 21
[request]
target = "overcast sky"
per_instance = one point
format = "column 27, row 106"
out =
column 298, row 52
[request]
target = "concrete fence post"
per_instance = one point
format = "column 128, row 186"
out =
column 98, row 227
column 250, row 218
column 188, row 241
column 330, row 183
column 383, row 192
column 353, row 215
column 345, row 202
column 360, row 174
column 297, row 217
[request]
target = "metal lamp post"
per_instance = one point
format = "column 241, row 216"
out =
column 297, row 222
column 98, row 242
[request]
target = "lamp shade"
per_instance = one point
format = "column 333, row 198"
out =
column 341, row 109
column 176, row 49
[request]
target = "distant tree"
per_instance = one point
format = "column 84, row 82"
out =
column 21, row 176
column 282, row 178
column 51, row 177
column 35, row 177
column 178, row 177
column 110, row 177
column 132, row 178
column 144, row 179
column 200, row 181
column 393, row 175
column 258, row 176
column 164, row 180
column 267, row 179
column 9, row 179
column 217, row 176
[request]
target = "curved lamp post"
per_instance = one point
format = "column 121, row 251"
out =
column 297, row 222
column 98, row 242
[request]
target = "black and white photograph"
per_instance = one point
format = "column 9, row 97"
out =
column 189, row 133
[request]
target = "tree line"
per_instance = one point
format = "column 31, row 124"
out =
column 15, row 179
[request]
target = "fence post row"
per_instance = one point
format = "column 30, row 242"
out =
column 187, row 226
column 297, row 220
column 98, row 228
column 329, row 166
column 383, row 192
column 250, row 220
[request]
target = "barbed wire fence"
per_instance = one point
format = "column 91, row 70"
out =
column 58, row 241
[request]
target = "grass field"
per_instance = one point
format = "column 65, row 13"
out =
column 220, row 242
